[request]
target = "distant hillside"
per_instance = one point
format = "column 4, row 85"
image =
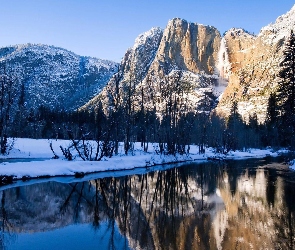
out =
column 55, row 77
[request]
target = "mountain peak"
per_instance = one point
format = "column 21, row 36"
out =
column 144, row 37
column 180, row 22
column 176, row 20
column 239, row 32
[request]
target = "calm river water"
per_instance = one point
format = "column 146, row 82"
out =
column 233, row 205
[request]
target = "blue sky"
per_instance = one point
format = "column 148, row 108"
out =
column 106, row 28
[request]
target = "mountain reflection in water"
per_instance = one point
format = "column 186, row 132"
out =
column 239, row 204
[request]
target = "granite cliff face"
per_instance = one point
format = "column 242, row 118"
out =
column 181, row 46
column 188, row 46
column 138, row 59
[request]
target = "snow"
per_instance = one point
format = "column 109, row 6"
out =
column 41, row 163
column 238, row 32
column 138, row 59
column 223, row 64
column 176, row 21
column 143, row 38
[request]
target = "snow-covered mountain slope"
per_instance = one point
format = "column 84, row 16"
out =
column 55, row 77
column 279, row 30
column 138, row 59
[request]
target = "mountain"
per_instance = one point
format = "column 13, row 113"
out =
column 186, row 53
column 55, row 77
column 239, row 66
column 188, row 46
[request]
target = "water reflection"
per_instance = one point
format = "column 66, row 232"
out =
column 241, row 205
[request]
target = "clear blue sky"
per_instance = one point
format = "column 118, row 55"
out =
column 106, row 28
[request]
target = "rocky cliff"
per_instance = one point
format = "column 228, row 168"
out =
column 138, row 59
column 188, row 46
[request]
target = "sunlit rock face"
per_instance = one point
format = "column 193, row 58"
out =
column 254, row 66
column 188, row 46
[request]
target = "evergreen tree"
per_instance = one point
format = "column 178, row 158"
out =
column 271, row 122
column 252, row 134
column 216, row 130
column 272, row 110
column 235, row 130
column 286, row 93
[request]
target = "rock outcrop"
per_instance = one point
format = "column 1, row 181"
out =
column 188, row 46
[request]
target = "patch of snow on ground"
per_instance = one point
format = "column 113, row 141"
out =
column 39, row 149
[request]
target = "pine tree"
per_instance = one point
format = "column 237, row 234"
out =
column 286, row 92
column 235, row 129
column 272, row 110
column 271, row 136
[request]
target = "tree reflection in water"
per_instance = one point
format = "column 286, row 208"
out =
column 204, row 206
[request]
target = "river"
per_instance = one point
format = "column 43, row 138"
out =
column 247, row 204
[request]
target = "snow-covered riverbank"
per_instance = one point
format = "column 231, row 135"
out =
column 41, row 163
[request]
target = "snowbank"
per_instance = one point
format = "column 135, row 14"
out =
column 34, row 159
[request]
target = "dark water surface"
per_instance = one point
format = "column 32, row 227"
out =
column 233, row 205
